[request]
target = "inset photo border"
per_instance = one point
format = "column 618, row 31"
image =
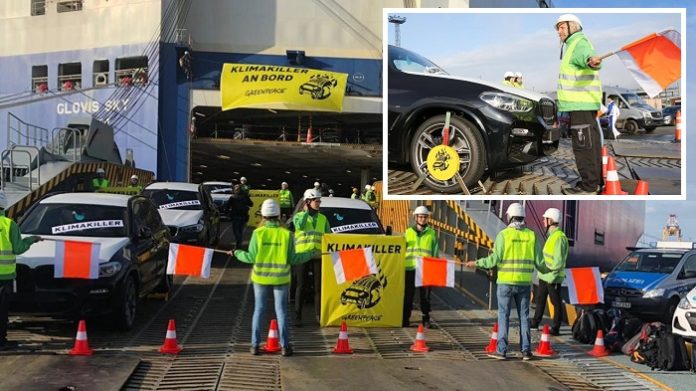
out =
column 471, row 105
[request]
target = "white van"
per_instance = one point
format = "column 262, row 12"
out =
column 635, row 113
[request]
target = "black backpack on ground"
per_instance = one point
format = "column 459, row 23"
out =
column 585, row 327
column 604, row 321
column 672, row 355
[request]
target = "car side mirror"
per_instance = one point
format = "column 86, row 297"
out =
column 389, row 230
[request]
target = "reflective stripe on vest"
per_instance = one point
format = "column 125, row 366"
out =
column 271, row 266
column 285, row 198
column 517, row 264
column 308, row 238
column 418, row 246
column 578, row 88
column 549, row 247
column 8, row 264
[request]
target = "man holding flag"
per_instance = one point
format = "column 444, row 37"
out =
column 11, row 245
column 421, row 241
column 580, row 94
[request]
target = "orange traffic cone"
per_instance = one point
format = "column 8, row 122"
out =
column 272, row 344
column 604, row 162
column 81, row 347
column 641, row 188
column 544, row 348
column 419, row 345
column 493, row 344
column 342, row 346
column 170, row 346
column 309, row 135
column 612, row 186
column 678, row 129
column 599, row 350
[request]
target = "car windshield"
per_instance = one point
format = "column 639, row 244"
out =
column 76, row 220
column 648, row 262
column 634, row 100
column 174, row 199
column 407, row 61
column 354, row 221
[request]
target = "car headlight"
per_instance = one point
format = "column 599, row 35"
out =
column 654, row 293
column 646, row 114
column 193, row 228
column 684, row 304
column 507, row 102
column 109, row 269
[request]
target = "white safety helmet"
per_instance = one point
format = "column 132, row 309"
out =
column 100, row 171
column 367, row 187
column 421, row 210
column 134, row 177
column 317, row 184
column 270, row 208
column 284, row 184
column 567, row 18
column 515, row 210
column 242, row 179
column 518, row 74
column 508, row 74
column 3, row 200
column 553, row 214
column 311, row 194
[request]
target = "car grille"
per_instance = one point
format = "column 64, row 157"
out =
column 656, row 114
column 624, row 292
column 548, row 111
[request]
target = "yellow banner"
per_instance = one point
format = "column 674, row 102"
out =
column 280, row 87
column 372, row 301
column 258, row 197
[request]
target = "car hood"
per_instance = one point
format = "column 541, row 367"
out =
column 180, row 218
column 498, row 86
column 44, row 252
column 635, row 280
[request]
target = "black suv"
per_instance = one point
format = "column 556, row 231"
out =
column 492, row 126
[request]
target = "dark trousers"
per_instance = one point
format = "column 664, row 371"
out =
column 587, row 148
column 301, row 279
column 238, row 223
column 5, row 292
column 554, row 291
column 409, row 292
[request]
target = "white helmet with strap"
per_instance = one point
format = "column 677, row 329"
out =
column 421, row 210
column 311, row 194
column 553, row 214
column 508, row 74
column 270, row 208
column 515, row 210
column 567, row 18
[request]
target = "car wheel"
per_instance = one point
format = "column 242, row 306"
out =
column 166, row 284
column 670, row 313
column 631, row 126
column 650, row 129
column 464, row 138
column 124, row 313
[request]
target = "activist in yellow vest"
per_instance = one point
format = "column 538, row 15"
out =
column 285, row 198
column 555, row 256
column 309, row 231
column 579, row 88
column 423, row 245
column 100, row 183
column 517, row 264
column 11, row 244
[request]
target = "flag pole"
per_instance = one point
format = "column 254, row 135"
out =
column 603, row 56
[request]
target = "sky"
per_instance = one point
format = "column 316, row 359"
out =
column 529, row 44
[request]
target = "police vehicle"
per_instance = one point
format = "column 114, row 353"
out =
column 188, row 210
column 650, row 282
column 684, row 321
column 134, row 244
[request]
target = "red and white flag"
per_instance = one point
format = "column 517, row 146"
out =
column 350, row 265
column 654, row 60
column 76, row 260
column 434, row 272
column 584, row 285
column 189, row 260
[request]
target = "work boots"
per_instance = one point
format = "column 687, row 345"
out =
column 426, row 321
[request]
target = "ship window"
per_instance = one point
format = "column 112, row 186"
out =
column 38, row 7
column 599, row 238
column 70, row 76
column 100, row 70
column 132, row 71
column 570, row 221
column 69, row 5
column 39, row 78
